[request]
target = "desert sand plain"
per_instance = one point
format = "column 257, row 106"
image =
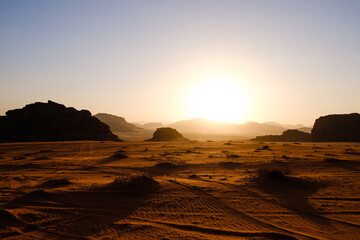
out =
column 190, row 190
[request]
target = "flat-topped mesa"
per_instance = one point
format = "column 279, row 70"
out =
column 337, row 128
column 167, row 134
column 291, row 135
column 52, row 122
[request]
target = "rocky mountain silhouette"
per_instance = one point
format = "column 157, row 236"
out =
column 167, row 134
column 337, row 128
column 116, row 123
column 205, row 126
column 52, row 122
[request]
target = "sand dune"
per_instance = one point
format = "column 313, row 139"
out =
column 175, row 190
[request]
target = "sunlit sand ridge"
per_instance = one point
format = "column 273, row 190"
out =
column 192, row 190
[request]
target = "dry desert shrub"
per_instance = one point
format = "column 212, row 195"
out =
column 165, row 165
column 42, row 158
column 229, row 155
column 275, row 173
column 134, row 182
column 266, row 147
column 351, row 151
column 166, row 153
column 230, row 165
column 55, row 183
column 332, row 160
column 330, row 154
column 46, row 151
column 119, row 155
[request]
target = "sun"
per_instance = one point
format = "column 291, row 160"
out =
column 218, row 99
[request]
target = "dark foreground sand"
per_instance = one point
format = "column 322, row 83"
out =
column 196, row 190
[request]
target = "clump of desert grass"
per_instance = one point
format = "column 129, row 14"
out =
column 119, row 155
column 316, row 147
column 46, row 151
column 273, row 177
column 55, row 183
column 351, row 151
column 166, row 153
column 230, row 165
column 42, row 158
column 165, row 165
column 193, row 176
column 265, row 147
column 273, row 173
column 134, row 182
column 332, row 160
column 330, row 154
column 231, row 155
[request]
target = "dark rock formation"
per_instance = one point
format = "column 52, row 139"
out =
column 52, row 122
column 287, row 136
column 167, row 134
column 337, row 128
column 116, row 123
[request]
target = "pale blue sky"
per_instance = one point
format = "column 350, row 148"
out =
column 296, row 60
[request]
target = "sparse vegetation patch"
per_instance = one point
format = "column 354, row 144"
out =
column 119, row 155
column 273, row 173
column 135, row 182
column 351, row 151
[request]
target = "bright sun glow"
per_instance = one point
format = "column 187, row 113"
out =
column 218, row 99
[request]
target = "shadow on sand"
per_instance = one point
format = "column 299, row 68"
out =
column 349, row 165
column 293, row 193
column 82, row 212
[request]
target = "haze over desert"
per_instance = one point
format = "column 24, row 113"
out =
column 186, row 119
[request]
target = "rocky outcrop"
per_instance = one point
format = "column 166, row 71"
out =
column 116, row 123
column 287, row 136
column 337, row 128
column 52, row 122
column 167, row 134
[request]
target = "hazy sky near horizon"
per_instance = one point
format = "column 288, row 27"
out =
column 287, row 61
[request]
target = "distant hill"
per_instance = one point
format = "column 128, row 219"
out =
column 199, row 125
column 52, row 122
column 205, row 126
column 287, row 136
column 167, row 134
column 287, row 126
column 299, row 127
column 337, row 128
column 152, row 125
column 255, row 129
column 116, row 123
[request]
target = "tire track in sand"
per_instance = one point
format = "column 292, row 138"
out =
column 240, row 214
column 319, row 226
column 212, row 231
